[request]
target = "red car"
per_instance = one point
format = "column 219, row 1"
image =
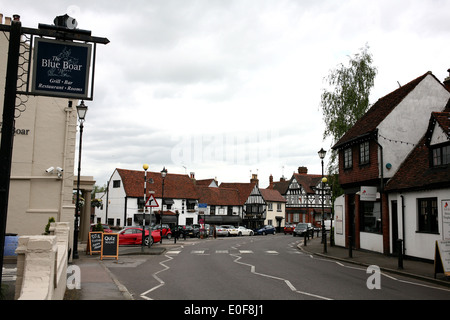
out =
column 289, row 228
column 133, row 235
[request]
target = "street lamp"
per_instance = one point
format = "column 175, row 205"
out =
column 81, row 110
column 322, row 154
column 145, row 167
column 163, row 176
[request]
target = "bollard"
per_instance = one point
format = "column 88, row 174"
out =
column 304, row 238
column 400, row 253
column 350, row 247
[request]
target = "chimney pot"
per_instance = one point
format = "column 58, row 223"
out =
column 302, row 170
column 16, row 17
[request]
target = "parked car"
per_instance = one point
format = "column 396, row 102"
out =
column 265, row 230
column 243, row 231
column 313, row 228
column 232, row 230
column 289, row 228
column 179, row 231
column 133, row 235
column 301, row 229
column 222, row 231
column 191, row 231
column 106, row 228
column 166, row 232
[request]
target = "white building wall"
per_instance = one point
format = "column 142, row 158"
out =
column 407, row 123
column 116, row 201
column 418, row 244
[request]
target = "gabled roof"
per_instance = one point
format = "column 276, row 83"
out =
column 415, row 173
column 218, row 196
column 176, row 186
column 272, row 195
column 443, row 119
column 368, row 123
column 244, row 189
column 281, row 186
column 307, row 181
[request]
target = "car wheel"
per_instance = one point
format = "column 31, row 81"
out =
column 251, row 233
column 239, row 234
column 146, row 240
column 264, row 233
column 169, row 236
column 293, row 234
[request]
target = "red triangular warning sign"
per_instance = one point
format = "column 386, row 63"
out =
column 151, row 202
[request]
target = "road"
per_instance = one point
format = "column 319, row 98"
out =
column 258, row 268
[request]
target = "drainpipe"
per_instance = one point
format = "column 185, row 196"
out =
column 403, row 224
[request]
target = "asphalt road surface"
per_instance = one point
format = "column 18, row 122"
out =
column 259, row 268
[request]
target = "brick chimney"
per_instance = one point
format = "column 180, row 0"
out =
column 447, row 81
column 302, row 170
column 255, row 179
column 270, row 182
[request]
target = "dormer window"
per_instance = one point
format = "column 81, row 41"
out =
column 441, row 155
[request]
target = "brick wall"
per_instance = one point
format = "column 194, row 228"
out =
column 359, row 173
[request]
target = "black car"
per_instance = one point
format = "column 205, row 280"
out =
column 191, row 231
column 301, row 229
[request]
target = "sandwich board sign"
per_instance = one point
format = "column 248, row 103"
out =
column 442, row 257
column 94, row 242
column 110, row 246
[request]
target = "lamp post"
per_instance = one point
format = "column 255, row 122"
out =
column 145, row 167
column 322, row 154
column 163, row 176
column 81, row 110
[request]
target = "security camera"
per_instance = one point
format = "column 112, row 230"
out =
column 50, row 170
column 60, row 170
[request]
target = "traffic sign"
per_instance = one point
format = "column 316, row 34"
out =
column 151, row 202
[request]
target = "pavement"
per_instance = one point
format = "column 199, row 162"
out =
column 98, row 283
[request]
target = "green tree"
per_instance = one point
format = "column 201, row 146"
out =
column 346, row 100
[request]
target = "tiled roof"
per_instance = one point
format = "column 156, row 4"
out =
column 281, row 186
column 368, row 123
column 415, row 173
column 272, row 195
column 176, row 186
column 244, row 189
column 218, row 196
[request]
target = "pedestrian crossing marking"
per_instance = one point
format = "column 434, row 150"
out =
column 245, row 251
column 221, row 251
column 198, row 251
column 271, row 252
column 173, row 252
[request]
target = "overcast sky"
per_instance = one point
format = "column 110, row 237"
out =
column 228, row 88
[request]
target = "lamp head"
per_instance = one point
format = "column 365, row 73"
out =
column 322, row 153
column 81, row 110
column 145, row 166
column 164, row 172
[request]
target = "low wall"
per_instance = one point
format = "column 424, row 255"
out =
column 42, row 264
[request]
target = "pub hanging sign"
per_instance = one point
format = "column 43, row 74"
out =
column 61, row 68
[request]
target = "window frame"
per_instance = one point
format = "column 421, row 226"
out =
column 348, row 158
column 364, row 153
column 426, row 225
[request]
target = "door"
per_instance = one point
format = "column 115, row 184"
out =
column 394, row 217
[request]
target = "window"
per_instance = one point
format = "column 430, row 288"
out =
column 441, row 156
column 116, row 184
column 348, row 158
column 140, row 203
column 364, row 153
column 370, row 216
column 270, row 206
column 278, row 207
column 427, row 215
column 212, row 210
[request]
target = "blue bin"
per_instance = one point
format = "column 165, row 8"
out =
column 11, row 242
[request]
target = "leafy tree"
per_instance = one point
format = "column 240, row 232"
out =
column 346, row 100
